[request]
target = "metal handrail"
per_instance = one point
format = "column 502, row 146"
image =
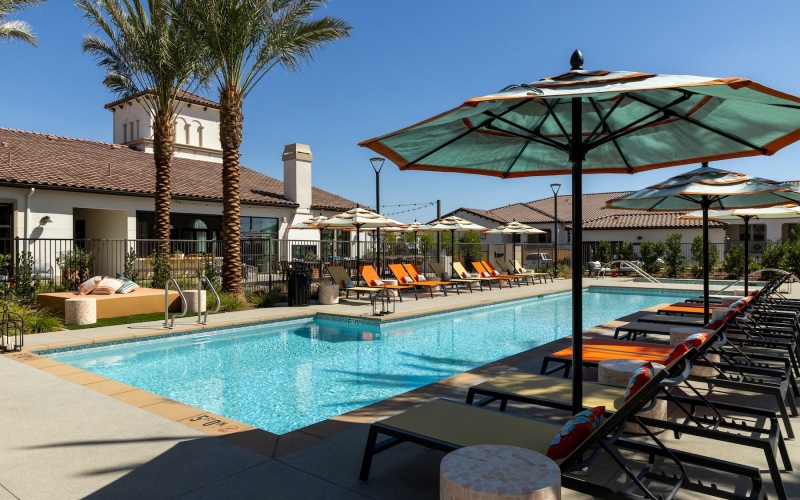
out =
column 167, row 323
column 199, row 295
column 759, row 271
column 633, row 266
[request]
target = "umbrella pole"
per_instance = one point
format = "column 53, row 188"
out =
column 576, row 156
column 706, row 270
column 358, row 251
column 746, row 254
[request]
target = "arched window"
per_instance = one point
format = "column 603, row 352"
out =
column 124, row 133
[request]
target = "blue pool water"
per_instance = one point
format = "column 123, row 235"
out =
column 283, row 376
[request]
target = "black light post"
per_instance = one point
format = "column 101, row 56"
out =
column 555, row 187
column 377, row 165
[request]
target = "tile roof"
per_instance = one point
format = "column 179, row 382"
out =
column 647, row 220
column 36, row 159
column 595, row 215
column 182, row 96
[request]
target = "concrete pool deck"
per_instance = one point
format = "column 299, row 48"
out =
column 70, row 434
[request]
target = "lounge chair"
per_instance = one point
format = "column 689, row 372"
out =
column 341, row 278
column 402, row 276
column 370, row 276
column 767, row 381
column 541, row 390
column 439, row 271
column 500, row 270
column 487, row 273
column 447, row 425
column 418, row 276
column 518, row 268
column 458, row 267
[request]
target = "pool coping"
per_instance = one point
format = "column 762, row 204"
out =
column 253, row 438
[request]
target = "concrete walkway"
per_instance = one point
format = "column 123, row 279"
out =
column 67, row 435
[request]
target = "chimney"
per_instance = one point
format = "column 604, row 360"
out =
column 297, row 175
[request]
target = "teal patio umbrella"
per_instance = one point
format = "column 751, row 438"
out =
column 597, row 122
column 708, row 188
column 746, row 214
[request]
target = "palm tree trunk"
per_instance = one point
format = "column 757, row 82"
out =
column 230, row 134
column 163, row 148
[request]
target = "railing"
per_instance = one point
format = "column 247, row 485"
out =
column 759, row 271
column 171, row 324
column 204, row 279
column 638, row 270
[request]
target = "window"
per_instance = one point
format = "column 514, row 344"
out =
column 758, row 232
column 6, row 227
column 259, row 227
column 124, row 132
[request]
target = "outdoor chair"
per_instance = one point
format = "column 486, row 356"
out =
column 419, row 277
column 447, row 425
column 404, row 278
column 486, row 273
column 340, row 277
column 438, row 270
column 521, row 270
column 371, row 277
column 459, row 268
column 596, row 269
column 42, row 271
column 542, row 390
column 500, row 271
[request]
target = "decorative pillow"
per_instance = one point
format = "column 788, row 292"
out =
column 127, row 287
column 575, row 432
column 107, row 286
column 408, row 279
column 421, row 277
column 445, row 276
column 640, row 377
column 716, row 324
column 486, row 274
column 465, row 275
column 349, row 284
column 377, row 283
column 87, row 286
column 696, row 340
column 523, row 270
column 496, row 272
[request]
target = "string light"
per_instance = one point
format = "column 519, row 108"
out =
column 416, row 207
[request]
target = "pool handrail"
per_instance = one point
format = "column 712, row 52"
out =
column 200, row 282
column 167, row 323
column 638, row 270
column 759, row 271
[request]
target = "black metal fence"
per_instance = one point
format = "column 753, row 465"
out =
column 58, row 264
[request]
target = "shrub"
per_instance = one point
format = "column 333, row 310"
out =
column 76, row 266
column 161, row 271
column 37, row 321
column 230, row 302
column 673, row 255
column 471, row 247
column 263, row 298
column 625, row 251
column 697, row 256
column 774, row 255
column 130, row 262
column 650, row 252
column 733, row 265
column 26, row 283
column 603, row 251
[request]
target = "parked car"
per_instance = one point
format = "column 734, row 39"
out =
column 537, row 260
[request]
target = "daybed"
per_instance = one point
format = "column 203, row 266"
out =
column 139, row 301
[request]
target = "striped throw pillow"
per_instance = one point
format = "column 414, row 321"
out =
column 127, row 287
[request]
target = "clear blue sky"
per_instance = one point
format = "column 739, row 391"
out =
column 409, row 60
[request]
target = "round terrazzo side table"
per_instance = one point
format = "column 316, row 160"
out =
column 498, row 472
column 618, row 372
column 80, row 311
column 678, row 334
column 328, row 294
column 192, row 304
column 395, row 293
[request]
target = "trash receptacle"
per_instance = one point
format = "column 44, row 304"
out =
column 298, row 286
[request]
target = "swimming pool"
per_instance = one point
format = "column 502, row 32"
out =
column 283, row 376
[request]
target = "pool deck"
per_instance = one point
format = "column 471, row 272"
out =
column 72, row 434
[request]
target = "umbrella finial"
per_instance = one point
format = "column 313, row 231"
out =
column 576, row 61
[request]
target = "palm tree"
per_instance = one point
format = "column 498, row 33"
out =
column 245, row 39
column 16, row 30
column 146, row 53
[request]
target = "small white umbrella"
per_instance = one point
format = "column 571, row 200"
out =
column 453, row 224
column 356, row 219
column 745, row 214
column 514, row 228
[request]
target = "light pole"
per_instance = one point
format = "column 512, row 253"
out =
column 555, row 187
column 377, row 165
